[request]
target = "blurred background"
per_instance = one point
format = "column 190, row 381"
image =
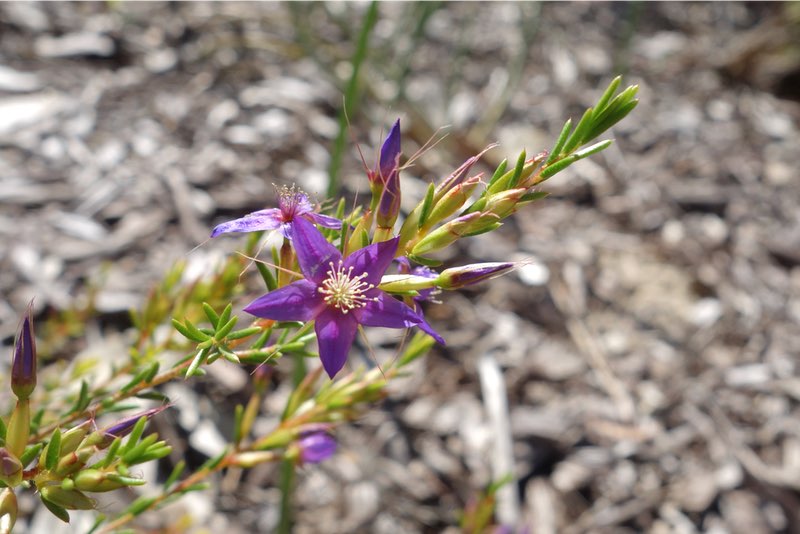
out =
column 649, row 348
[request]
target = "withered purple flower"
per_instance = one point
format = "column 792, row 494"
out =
column 316, row 447
column 338, row 294
column 292, row 205
column 23, row 367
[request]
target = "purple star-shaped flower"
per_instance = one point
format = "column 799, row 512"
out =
column 338, row 294
column 293, row 204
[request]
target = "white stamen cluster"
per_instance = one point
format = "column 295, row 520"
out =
column 343, row 290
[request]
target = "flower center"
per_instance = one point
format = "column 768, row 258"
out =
column 292, row 201
column 343, row 290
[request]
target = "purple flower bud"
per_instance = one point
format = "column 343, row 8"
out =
column 10, row 468
column 23, row 369
column 466, row 275
column 316, row 447
column 390, row 152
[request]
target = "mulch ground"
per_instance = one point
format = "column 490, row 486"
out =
column 648, row 348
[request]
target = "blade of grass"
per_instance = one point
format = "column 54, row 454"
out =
column 350, row 98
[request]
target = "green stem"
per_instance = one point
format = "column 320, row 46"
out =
column 350, row 99
column 285, row 484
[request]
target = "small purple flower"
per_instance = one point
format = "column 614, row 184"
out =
column 23, row 367
column 338, row 294
column 316, row 447
column 292, row 204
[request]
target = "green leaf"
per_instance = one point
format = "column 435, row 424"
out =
column 31, row 452
column 226, row 328
column 177, row 471
column 56, row 510
column 594, row 149
column 53, row 450
column 199, row 359
column 609, row 92
column 428, row 262
column 562, row 138
column 536, row 195
column 245, row 332
column 512, row 182
column 111, row 454
column 151, row 373
column 135, row 435
column 427, row 205
column 267, row 276
column 153, row 395
column 577, row 138
column 83, row 398
column 197, row 334
column 140, row 505
column 501, row 169
column 611, row 117
column 213, row 318
column 225, row 316
column 558, row 166
column 3, row 431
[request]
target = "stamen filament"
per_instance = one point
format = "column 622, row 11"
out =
column 343, row 290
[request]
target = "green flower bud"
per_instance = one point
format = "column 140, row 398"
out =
column 449, row 233
column 402, row 283
column 504, row 203
column 252, row 458
column 69, row 499
column 453, row 200
column 8, row 510
column 96, row 481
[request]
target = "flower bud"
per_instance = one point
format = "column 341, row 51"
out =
column 316, row 447
column 250, row 459
column 23, row 368
column 10, row 468
column 453, row 200
column 8, row 510
column 390, row 155
column 459, row 174
column 466, row 275
column 96, row 481
column 401, row 283
column 472, row 223
column 504, row 203
column 69, row 499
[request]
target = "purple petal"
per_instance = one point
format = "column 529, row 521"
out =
column 390, row 151
column 391, row 313
column 373, row 259
column 299, row 301
column 314, row 253
column 336, row 332
column 324, row 220
column 268, row 219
